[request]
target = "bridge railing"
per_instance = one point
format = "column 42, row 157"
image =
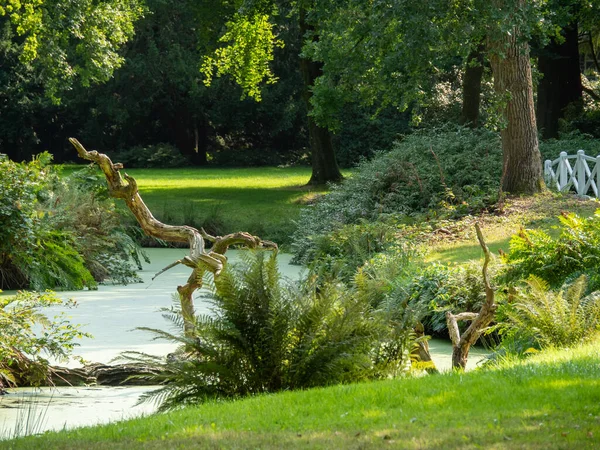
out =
column 561, row 175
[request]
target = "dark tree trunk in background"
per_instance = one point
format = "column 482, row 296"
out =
column 511, row 67
column 187, row 134
column 561, row 82
column 324, row 164
column 199, row 156
column 472, row 88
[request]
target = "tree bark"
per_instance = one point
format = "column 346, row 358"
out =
column 561, row 83
column 324, row 164
column 509, row 57
column 472, row 87
column 200, row 260
column 479, row 321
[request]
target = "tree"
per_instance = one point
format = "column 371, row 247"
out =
column 471, row 87
column 392, row 53
column 46, row 48
column 72, row 41
column 250, row 43
column 509, row 57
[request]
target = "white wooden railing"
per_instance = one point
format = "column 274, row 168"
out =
column 559, row 174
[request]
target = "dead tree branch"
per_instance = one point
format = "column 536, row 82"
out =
column 479, row 321
column 200, row 259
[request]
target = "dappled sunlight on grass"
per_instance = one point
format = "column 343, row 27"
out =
column 263, row 200
column 539, row 211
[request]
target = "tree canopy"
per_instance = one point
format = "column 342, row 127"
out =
column 71, row 41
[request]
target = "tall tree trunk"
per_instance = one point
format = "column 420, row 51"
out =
column 561, row 82
column 472, row 87
column 324, row 163
column 509, row 57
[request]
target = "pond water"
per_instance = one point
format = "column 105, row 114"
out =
column 111, row 315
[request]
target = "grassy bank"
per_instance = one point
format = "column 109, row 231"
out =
column 551, row 401
column 458, row 242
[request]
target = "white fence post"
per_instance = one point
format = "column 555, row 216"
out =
column 563, row 175
column 580, row 172
column 548, row 172
column 598, row 175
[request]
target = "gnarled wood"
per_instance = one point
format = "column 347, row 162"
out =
column 462, row 344
column 199, row 260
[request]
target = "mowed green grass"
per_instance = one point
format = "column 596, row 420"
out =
column 551, row 401
column 261, row 200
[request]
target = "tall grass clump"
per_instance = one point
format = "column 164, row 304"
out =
column 456, row 170
column 268, row 335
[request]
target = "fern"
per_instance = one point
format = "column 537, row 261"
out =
column 266, row 335
column 548, row 318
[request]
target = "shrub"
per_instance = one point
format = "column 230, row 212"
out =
column 440, row 288
column 27, row 335
column 539, row 317
column 570, row 143
column 452, row 170
column 340, row 253
column 31, row 253
column 153, row 156
column 575, row 251
column 56, row 233
column 80, row 205
column 268, row 336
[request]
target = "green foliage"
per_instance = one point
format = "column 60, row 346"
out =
column 340, row 253
column 70, row 41
column 441, row 171
column 266, row 336
column 151, row 156
column 27, row 337
column 246, row 58
column 80, row 206
column 31, row 253
column 441, row 288
column 59, row 234
column 570, row 143
column 575, row 250
column 536, row 316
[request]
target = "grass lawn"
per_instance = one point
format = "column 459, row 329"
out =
column 551, row 401
column 261, row 200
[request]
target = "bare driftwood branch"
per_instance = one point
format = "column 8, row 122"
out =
column 462, row 344
column 200, row 259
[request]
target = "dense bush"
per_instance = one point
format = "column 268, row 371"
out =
column 267, row 336
column 457, row 170
column 340, row 253
column 159, row 155
column 556, row 260
column 58, row 233
column 441, row 288
column 79, row 205
column 570, row 143
column 28, row 337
